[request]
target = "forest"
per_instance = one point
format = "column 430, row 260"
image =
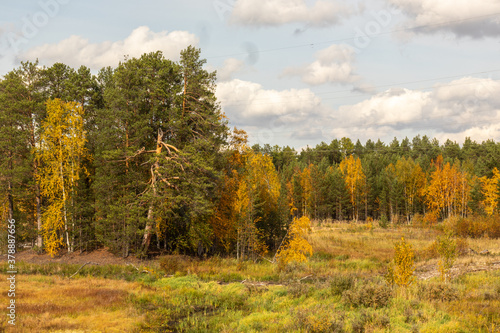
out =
column 140, row 159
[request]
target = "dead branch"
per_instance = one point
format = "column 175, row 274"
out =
column 143, row 271
column 79, row 269
column 305, row 277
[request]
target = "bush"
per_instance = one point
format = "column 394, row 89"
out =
column 383, row 222
column 447, row 249
column 341, row 283
column 370, row 296
column 418, row 221
column 175, row 264
column 359, row 322
column 318, row 319
column 476, row 226
column 400, row 272
column 437, row 292
column 430, row 219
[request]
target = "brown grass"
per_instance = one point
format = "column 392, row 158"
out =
column 364, row 241
column 50, row 304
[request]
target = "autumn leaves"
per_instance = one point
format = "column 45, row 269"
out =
column 439, row 190
column 62, row 147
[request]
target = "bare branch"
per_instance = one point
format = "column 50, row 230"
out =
column 79, row 269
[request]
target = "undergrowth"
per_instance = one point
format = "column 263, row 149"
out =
column 340, row 289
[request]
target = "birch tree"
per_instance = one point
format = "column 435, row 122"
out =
column 60, row 153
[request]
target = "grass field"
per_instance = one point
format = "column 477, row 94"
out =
column 341, row 289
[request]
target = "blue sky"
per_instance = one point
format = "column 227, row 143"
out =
column 296, row 72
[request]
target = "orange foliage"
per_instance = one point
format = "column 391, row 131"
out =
column 448, row 191
column 490, row 192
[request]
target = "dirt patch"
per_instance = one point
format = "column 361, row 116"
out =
column 101, row 256
column 463, row 265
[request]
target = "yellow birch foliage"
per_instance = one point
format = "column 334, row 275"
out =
column 355, row 181
column 448, row 191
column 61, row 149
column 403, row 266
column 296, row 247
column 223, row 221
column 410, row 175
column 259, row 183
column 490, row 192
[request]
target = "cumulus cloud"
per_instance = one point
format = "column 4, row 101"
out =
column 469, row 106
column 332, row 65
column 464, row 18
column 464, row 107
column 271, row 116
column 76, row 50
column 229, row 68
column 278, row 12
column 248, row 103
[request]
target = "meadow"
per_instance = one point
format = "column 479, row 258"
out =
column 342, row 288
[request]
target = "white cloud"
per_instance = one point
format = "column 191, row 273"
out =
column 464, row 107
column 474, row 19
column 332, row 65
column 392, row 107
column 450, row 110
column 249, row 103
column 270, row 115
column 278, row 12
column 231, row 66
column 76, row 50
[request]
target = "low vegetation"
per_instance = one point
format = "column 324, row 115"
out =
column 341, row 288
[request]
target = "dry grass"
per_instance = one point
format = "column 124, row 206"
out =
column 364, row 241
column 52, row 304
column 326, row 294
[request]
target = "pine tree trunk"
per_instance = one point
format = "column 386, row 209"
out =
column 38, row 200
column 150, row 219
column 11, row 201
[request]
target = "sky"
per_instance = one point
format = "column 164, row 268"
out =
column 295, row 72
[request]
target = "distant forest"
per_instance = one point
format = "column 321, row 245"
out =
column 140, row 159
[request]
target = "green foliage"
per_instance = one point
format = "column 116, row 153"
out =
column 447, row 249
column 156, row 141
column 340, row 283
column 383, row 222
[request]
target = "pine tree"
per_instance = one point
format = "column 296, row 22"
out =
column 22, row 110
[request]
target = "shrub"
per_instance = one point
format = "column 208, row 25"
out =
column 359, row 322
column 175, row 264
column 418, row 221
column 318, row 319
column 437, row 292
column 369, row 295
column 476, row 226
column 383, row 222
column 447, row 249
column 431, row 219
column 341, row 283
column 296, row 246
column 401, row 270
column 299, row 289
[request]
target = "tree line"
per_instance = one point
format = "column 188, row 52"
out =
column 140, row 159
column 344, row 180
